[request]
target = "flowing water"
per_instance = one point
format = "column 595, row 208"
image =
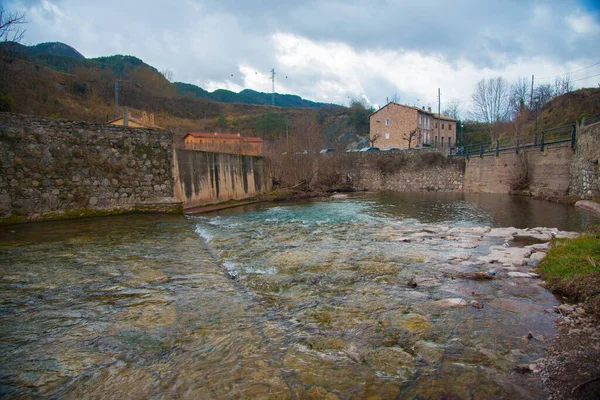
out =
column 336, row 298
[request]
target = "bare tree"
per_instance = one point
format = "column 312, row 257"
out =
column 453, row 109
column 520, row 95
column 395, row 98
column 10, row 25
column 563, row 85
column 374, row 138
column 491, row 103
column 410, row 136
column 168, row 74
column 543, row 93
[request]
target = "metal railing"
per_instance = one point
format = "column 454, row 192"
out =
column 540, row 139
column 590, row 120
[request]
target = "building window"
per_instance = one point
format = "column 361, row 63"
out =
column 419, row 119
column 387, row 122
column 387, row 135
column 449, row 127
column 428, row 120
column 449, row 141
column 436, row 125
column 442, row 126
column 436, row 141
column 442, row 141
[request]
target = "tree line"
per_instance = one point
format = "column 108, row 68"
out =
column 496, row 102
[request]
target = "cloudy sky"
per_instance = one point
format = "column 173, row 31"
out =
column 335, row 50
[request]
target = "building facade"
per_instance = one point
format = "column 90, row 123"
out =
column 399, row 126
column 223, row 143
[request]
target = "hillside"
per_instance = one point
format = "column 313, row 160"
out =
column 87, row 94
column 49, row 48
column 559, row 111
column 64, row 58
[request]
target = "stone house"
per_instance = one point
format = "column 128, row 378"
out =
column 399, row 126
column 223, row 143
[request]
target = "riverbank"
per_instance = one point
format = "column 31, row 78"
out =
column 570, row 369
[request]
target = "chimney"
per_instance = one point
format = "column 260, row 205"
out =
column 126, row 116
column 429, row 109
column 423, row 108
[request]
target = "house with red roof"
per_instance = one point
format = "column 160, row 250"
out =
column 223, row 143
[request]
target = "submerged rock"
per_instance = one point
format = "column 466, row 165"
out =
column 450, row 303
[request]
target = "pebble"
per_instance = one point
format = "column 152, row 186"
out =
column 477, row 304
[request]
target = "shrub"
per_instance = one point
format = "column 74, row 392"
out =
column 7, row 103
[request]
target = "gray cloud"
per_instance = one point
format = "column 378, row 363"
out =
column 207, row 41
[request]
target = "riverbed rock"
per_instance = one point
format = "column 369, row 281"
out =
column 506, row 233
column 391, row 360
column 416, row 324
column 451, row 303
column 541, row 236
column 507, row 255
column 515, row 306
column 514, row 274
column 430, row 352
column 589, row 206
column 539, row 247
column 535, row 258
column 459, row 256
column 567, row 235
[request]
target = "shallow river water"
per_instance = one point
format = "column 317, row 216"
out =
column 350, row 297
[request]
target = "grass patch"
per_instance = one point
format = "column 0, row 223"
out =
column 572, row 269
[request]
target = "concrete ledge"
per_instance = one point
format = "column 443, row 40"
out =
column 589, row 206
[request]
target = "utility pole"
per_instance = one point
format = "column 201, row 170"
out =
column 531, row 97
column 273, row 87
column 116, row 99
column 439, row 113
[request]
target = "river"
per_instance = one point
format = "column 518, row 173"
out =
column 344, row 297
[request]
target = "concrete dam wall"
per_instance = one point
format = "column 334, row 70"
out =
column 202, row 177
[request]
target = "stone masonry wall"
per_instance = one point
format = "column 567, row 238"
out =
column 407, row 171
column 585, row 168
column 57, row 168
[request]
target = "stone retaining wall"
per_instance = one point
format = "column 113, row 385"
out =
column 585, row 168
column 56, row 168
column 407, row 171
column 543, row 174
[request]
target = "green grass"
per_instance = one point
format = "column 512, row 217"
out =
column 572, row 269
column 568, row 257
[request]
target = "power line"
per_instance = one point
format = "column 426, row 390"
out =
column 572, row 72
column 587, row 77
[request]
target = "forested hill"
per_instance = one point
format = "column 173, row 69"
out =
column 64, row 58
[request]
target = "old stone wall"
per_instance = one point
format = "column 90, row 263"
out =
column 585, row 172
column 56, row 168
column 543, row 174
column 204, row 177
column 407, row 171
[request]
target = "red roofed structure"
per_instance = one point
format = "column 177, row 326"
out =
column 223, row 143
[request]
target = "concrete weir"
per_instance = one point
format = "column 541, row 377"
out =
column 204, row 177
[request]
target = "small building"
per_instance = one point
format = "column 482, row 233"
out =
column 223, row 143
column 399, row 126
column 146, row 121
